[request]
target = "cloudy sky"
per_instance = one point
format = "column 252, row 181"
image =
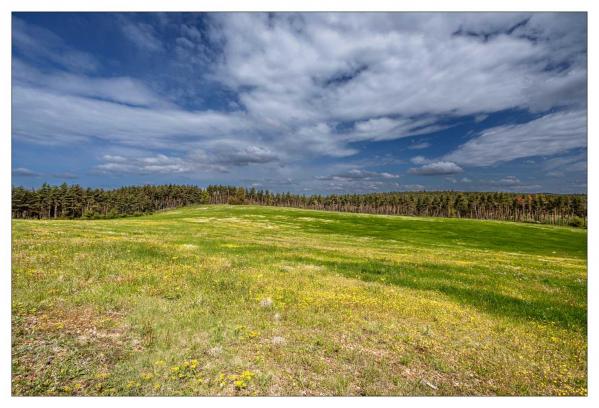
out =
column 308, row 103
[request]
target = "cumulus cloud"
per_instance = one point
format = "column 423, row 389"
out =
column 420, row 160
column 160, row 164
column 349, row 179
column 436, row 168
column 213, row 158
column 227, row 154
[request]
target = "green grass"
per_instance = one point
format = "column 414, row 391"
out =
column 226, row 300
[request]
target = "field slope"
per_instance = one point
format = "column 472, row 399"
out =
column 241, row 300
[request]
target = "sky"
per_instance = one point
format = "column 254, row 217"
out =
column 313, row 103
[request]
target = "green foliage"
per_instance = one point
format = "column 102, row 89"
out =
column 74, row 202
column 577, row 222
column 238, row 197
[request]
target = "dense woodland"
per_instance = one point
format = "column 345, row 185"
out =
column 76, row 202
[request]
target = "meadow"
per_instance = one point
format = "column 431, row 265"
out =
column 249, row 300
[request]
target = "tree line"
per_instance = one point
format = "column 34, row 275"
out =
column 74, row 201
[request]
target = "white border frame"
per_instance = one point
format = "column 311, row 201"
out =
column 8, row 6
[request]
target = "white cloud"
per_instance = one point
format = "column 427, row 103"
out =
column 217, row 158
column 436, row 168
column 48, row 117
column 159, row 164
column 420, row 160
column 388, row 129
column 509, row 181
column 390, row 68
column 345, row 178
column 117, row 89
column 141, row 34
column 548, row 135
column 419, row 146
column 412, row 187
column 228, row 154
column 36, row 43
column 359, row 174
column 313, row 85
column 25, row 172
column 567, row 163
column 513, row 183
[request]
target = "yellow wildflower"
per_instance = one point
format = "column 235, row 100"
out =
column 247, row 374
column 147, row 376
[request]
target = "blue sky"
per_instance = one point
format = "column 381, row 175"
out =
column 307, row 103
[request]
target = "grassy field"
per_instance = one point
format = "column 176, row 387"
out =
column 240, row 300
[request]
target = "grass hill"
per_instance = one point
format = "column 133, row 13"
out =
column 246, row 300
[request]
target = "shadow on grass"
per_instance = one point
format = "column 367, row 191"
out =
column 473, row 288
